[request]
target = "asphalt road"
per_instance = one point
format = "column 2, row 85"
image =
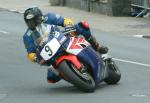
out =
column 24, row 82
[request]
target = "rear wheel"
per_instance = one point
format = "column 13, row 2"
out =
column 114, row 73
column 79, row 77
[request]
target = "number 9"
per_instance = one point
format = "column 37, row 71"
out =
column 47, row 49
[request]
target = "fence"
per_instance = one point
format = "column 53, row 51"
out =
column 141, row 3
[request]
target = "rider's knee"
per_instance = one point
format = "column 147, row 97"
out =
column 84, row 25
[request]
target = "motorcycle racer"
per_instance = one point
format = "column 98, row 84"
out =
column 36, row 21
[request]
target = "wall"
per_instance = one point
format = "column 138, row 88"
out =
column 108, row 7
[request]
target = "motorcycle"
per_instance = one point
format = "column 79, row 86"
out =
column 77, row 62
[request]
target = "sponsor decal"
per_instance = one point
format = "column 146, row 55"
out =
column 29, row 16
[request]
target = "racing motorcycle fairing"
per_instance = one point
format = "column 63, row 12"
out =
column 94, row 60
column 77, row 49
column 84, row 52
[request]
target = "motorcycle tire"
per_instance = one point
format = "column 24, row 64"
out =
column 84, row 82
column 114, row 74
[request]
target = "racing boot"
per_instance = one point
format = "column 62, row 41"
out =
column 52, row 75
column 96, row 46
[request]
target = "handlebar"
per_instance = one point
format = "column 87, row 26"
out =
column 69, row 29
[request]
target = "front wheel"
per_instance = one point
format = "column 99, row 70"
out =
column 114, row 73
column 80, row 78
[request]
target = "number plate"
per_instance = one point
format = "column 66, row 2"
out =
column 50, row 49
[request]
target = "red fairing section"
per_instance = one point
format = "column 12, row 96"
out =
column 72, row 58
column 76, row 43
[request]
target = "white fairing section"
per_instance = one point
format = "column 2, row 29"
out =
column 74, row 51
column 50, row 49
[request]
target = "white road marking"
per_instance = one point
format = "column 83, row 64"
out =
column 4, row 32
column 2, row 96
column 132, row 62
column 139, row 95
column 142, row 36
column 139, row 36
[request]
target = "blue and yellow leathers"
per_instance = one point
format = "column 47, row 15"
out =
column 51, row 19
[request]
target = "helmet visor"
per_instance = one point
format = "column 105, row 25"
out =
column 31, row 24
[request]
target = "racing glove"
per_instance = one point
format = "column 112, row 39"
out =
column 68, row 21
column 31, row 57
